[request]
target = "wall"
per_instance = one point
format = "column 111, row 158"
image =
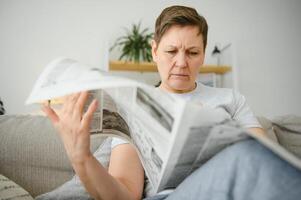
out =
column 265, row 36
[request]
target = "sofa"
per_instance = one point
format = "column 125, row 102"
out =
column 33, row 160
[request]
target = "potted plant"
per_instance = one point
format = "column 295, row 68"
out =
column 135, row 45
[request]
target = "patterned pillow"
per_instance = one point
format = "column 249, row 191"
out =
column 10, row 190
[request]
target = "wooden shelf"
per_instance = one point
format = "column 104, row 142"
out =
column 151, row 67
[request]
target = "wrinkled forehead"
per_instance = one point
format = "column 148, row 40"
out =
column 180, row 36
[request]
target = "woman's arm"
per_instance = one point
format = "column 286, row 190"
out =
column 127, row 169
column 124, row 180
column 73, row 125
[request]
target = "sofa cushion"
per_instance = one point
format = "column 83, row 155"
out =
column 11, row 190
column 291, row 123
column 288, row 132
column 33, row 155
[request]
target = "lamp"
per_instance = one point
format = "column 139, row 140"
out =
column 218, row 52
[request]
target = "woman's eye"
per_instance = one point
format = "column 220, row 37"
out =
column 193, row 53
column 171, row 52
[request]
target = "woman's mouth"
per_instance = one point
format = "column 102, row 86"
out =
column 179, row 76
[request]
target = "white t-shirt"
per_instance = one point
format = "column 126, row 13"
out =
column 230, row 100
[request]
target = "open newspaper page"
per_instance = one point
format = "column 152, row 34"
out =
column 173, row 137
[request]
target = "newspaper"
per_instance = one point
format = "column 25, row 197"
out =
column 173, row 137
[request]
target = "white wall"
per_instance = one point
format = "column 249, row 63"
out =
column 265, row 35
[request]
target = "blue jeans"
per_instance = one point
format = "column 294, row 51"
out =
column 245, row 170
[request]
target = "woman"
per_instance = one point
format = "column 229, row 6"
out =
column 178, row 49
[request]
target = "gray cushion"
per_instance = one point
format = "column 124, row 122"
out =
column 288, row 131
column 291, row 123
column 32, row 154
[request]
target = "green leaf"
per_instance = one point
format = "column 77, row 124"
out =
column 135, row 44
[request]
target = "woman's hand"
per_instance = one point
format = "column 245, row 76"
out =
column 73, row 125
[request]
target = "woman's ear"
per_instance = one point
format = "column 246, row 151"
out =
column 154, row 50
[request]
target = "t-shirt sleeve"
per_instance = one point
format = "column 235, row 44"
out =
column 242, row 112
column 117, row 141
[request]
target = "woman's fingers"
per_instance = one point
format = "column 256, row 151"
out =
column 72, row 111
column 70, row 103
column 87, row 118
column 51, row 114
column 80, row 104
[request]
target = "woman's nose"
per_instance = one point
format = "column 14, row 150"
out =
column 181, row 60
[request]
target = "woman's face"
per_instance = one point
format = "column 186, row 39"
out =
column 179, row 56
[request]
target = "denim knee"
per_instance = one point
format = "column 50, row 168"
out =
column 261, row 173
column 245, row 147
